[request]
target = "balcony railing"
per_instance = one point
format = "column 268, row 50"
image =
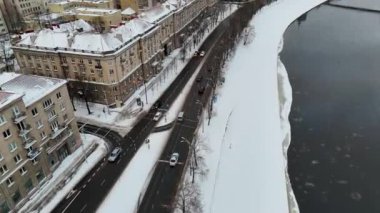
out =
column 98, row 66
column 57, row 143
column 58, row 131
column 32, row 154
column 29, row 142
column 49, row 106
column 26, row 130
column 19, row 117
column 52, row 118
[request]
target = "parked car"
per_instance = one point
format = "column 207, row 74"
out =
column 196, row 53
column 114, row 154
column 157, row 116
column 203, row 53
column 174, row 159
column 157, row 105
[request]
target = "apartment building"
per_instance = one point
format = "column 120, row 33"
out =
column 108, row 67
column 38, row 130
column 103, row 19
column 19, row 14
column 60, row 6
column 3, row 25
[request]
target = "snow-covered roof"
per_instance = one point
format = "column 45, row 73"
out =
column 7, row 97
column 7, row 76
column 70, row 1
column 156, row 13
column 31, row 87
column 128, row 11
column 89, row 10
column 65, row 36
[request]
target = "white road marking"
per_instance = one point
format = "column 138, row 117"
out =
column 71, row 202
column 82, row 209
column 102, row 182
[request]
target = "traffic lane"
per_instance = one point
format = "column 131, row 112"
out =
column 96, row 185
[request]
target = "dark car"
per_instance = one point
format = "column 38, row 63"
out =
column 201, row 90
column 199, row 79
column 157, row 105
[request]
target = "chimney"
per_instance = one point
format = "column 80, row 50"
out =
column 119, row 36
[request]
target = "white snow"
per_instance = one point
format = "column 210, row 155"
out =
column 134, row 180
column 250, row 134
column 32, row 87
column 122, row 119
column 47, row 194
column 128, row 11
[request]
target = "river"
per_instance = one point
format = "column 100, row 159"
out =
column 332, row 56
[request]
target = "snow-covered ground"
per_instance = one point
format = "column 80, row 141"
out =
column 50, row 194
column 136, row 176
column 250, row 134
column 120, row 119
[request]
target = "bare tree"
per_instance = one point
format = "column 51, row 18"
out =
column 189, row 198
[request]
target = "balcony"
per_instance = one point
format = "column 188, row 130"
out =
column 82, row 65
column 98, row 66
column 57, row 143
column 64, row 64
column 25, row 131
column 52, row 118
column 33, row 153
column 29, row 142
column 19, row 117
column 58, row 131
column 46, row 108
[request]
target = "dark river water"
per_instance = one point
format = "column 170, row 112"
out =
column 332, row 56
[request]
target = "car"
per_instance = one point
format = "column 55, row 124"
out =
column 199, row 79
column 201, row 90
column 203, row 53
column 157, row 116
column 196, row 53
column 157, row 105
column 174, row 159
column 114, row 154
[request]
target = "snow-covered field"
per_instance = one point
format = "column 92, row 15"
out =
column 250, row 134
column 43, row 195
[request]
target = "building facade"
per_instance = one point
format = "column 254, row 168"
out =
column 38, row 131
column 3, row 25
column 60, row 6
column 107, row 68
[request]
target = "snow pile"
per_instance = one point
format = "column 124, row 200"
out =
column 251, row 132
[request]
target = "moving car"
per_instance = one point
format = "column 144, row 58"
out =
column 114, row 154
column 174, row 159
column 203, row 53
column 180, row 116
column 157, row 116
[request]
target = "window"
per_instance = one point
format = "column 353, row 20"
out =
column 89, row 61
column 59, row 95
column 21, row 126
column 47, row 67
column 10, row 181
column 22, row 170
column 81, row 60
column 17, row 158
column 55, row 68
column 54, row 126
column 40, row 176
column 62, row 106
column 47, row 103
column 39, row 124
column 15, row 110
column 2, row 119
column 7, row 134
column 35, row 160
column 111, row 71
column 43, row 135
column 73, row 60
column 12, row 147
column 34, row 111
column 65, row 117
column 64, row 60
column 1, row 157
column 3, row 169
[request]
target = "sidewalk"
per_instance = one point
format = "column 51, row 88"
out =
column 71, row 170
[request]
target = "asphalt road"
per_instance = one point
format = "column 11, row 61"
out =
column 160, row 194
column 93, row 189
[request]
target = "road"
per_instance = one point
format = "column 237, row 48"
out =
column 93, row 189
column 160, row 194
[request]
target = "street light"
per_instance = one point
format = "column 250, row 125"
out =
column 184, row 140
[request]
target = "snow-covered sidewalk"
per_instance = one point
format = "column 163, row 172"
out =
column 250, row 134
column 69, row 173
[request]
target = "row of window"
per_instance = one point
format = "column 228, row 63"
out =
column 4, row 169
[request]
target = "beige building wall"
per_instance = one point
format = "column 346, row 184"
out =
column 3, row 25
column 41, row 136
column 60, row 7
column 124, row 4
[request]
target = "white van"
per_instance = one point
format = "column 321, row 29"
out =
column 180, row 116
